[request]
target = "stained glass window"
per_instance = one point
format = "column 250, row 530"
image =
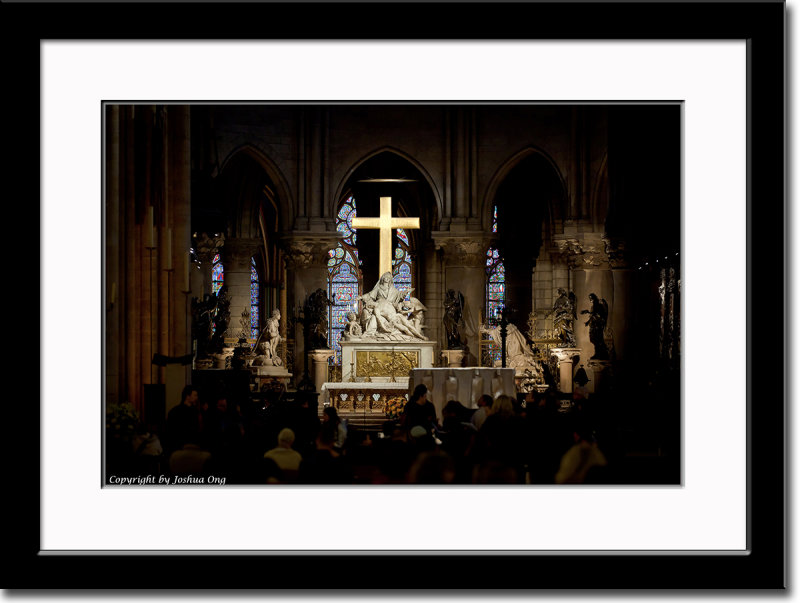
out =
column 344, row 278
column 401, row 264
column 494, row 220
column 217, row 280
column 217, row 275
column 495, row 294
column 254, row 300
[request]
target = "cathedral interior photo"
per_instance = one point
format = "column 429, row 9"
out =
column 392, row 294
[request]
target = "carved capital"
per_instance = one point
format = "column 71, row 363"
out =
column 562, row 354
column 306, row 250
column 467, row 250
column 239, row 251
column 580, row 254
column 205, row 247
column 320, row 356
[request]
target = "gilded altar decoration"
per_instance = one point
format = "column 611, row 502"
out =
column 375, row 363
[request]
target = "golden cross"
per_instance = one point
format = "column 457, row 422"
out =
column 385, row 223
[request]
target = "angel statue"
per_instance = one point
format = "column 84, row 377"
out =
column 598, row 316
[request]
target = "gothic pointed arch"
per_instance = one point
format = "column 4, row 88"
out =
column 556, row 207
column 281, row 191
column 346, row 182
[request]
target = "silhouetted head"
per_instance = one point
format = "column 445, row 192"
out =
column 420, row 393
column 189, row 395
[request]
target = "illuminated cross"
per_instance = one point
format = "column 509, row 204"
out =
column 385, row 223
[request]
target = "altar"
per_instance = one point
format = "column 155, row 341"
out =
column 368, row 397
column 383, row 360
column 463, row 384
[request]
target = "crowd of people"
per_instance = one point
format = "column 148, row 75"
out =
column 538, row 440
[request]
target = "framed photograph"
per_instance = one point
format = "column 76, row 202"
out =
column 578, row 217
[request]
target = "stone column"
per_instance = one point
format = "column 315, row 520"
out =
column 306, row 257
column 566, row 367
column 464, row 257
column 319, row 367
column 601, row 370
column 590, row 272
column 621, row 315
column 114, row 283
column 432, row 293
column 236, row 259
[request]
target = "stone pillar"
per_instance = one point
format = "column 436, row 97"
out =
column 601, row 370
column 621, row 315
column 590, row 272
column 306, row 257
column 464, row 259
column 179, row 192
column 460, row 169
column 319, row 366
column 433, row 294
column 114, row 284
column 566, row 367
column 236, row 258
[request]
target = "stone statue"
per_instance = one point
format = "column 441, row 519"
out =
column 564, row 315
column 453, row 312
column 273, row 328
column 598, row 316
column 269, row 347
column 353, row 328
column 518, row 352
column 316, row 314
column 416, row 310
column 385, row 315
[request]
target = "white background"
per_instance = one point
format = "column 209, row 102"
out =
column 707, row 514
column 79, row 187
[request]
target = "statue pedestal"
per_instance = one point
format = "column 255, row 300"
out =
column 266, row 374
column 455, row 358
column 566, row 357
column 379, row 360
column 319, row 366
column 600, row 372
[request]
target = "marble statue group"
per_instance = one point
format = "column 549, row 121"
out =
column 386, row 315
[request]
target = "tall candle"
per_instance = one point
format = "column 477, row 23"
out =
column 187, row 270
column 168, row 251
column 148, row 228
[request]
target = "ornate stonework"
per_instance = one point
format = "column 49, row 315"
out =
column 205, row 247
column 239, row 251
column 305, row 251
column 468, row 249
column 582, row 253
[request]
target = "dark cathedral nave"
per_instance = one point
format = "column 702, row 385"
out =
column 392, row 294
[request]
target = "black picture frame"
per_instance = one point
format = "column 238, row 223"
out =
column 762, row 24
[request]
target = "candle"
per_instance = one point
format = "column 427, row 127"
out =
column 168, row 251
column 187, row 268
column 148, row 228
